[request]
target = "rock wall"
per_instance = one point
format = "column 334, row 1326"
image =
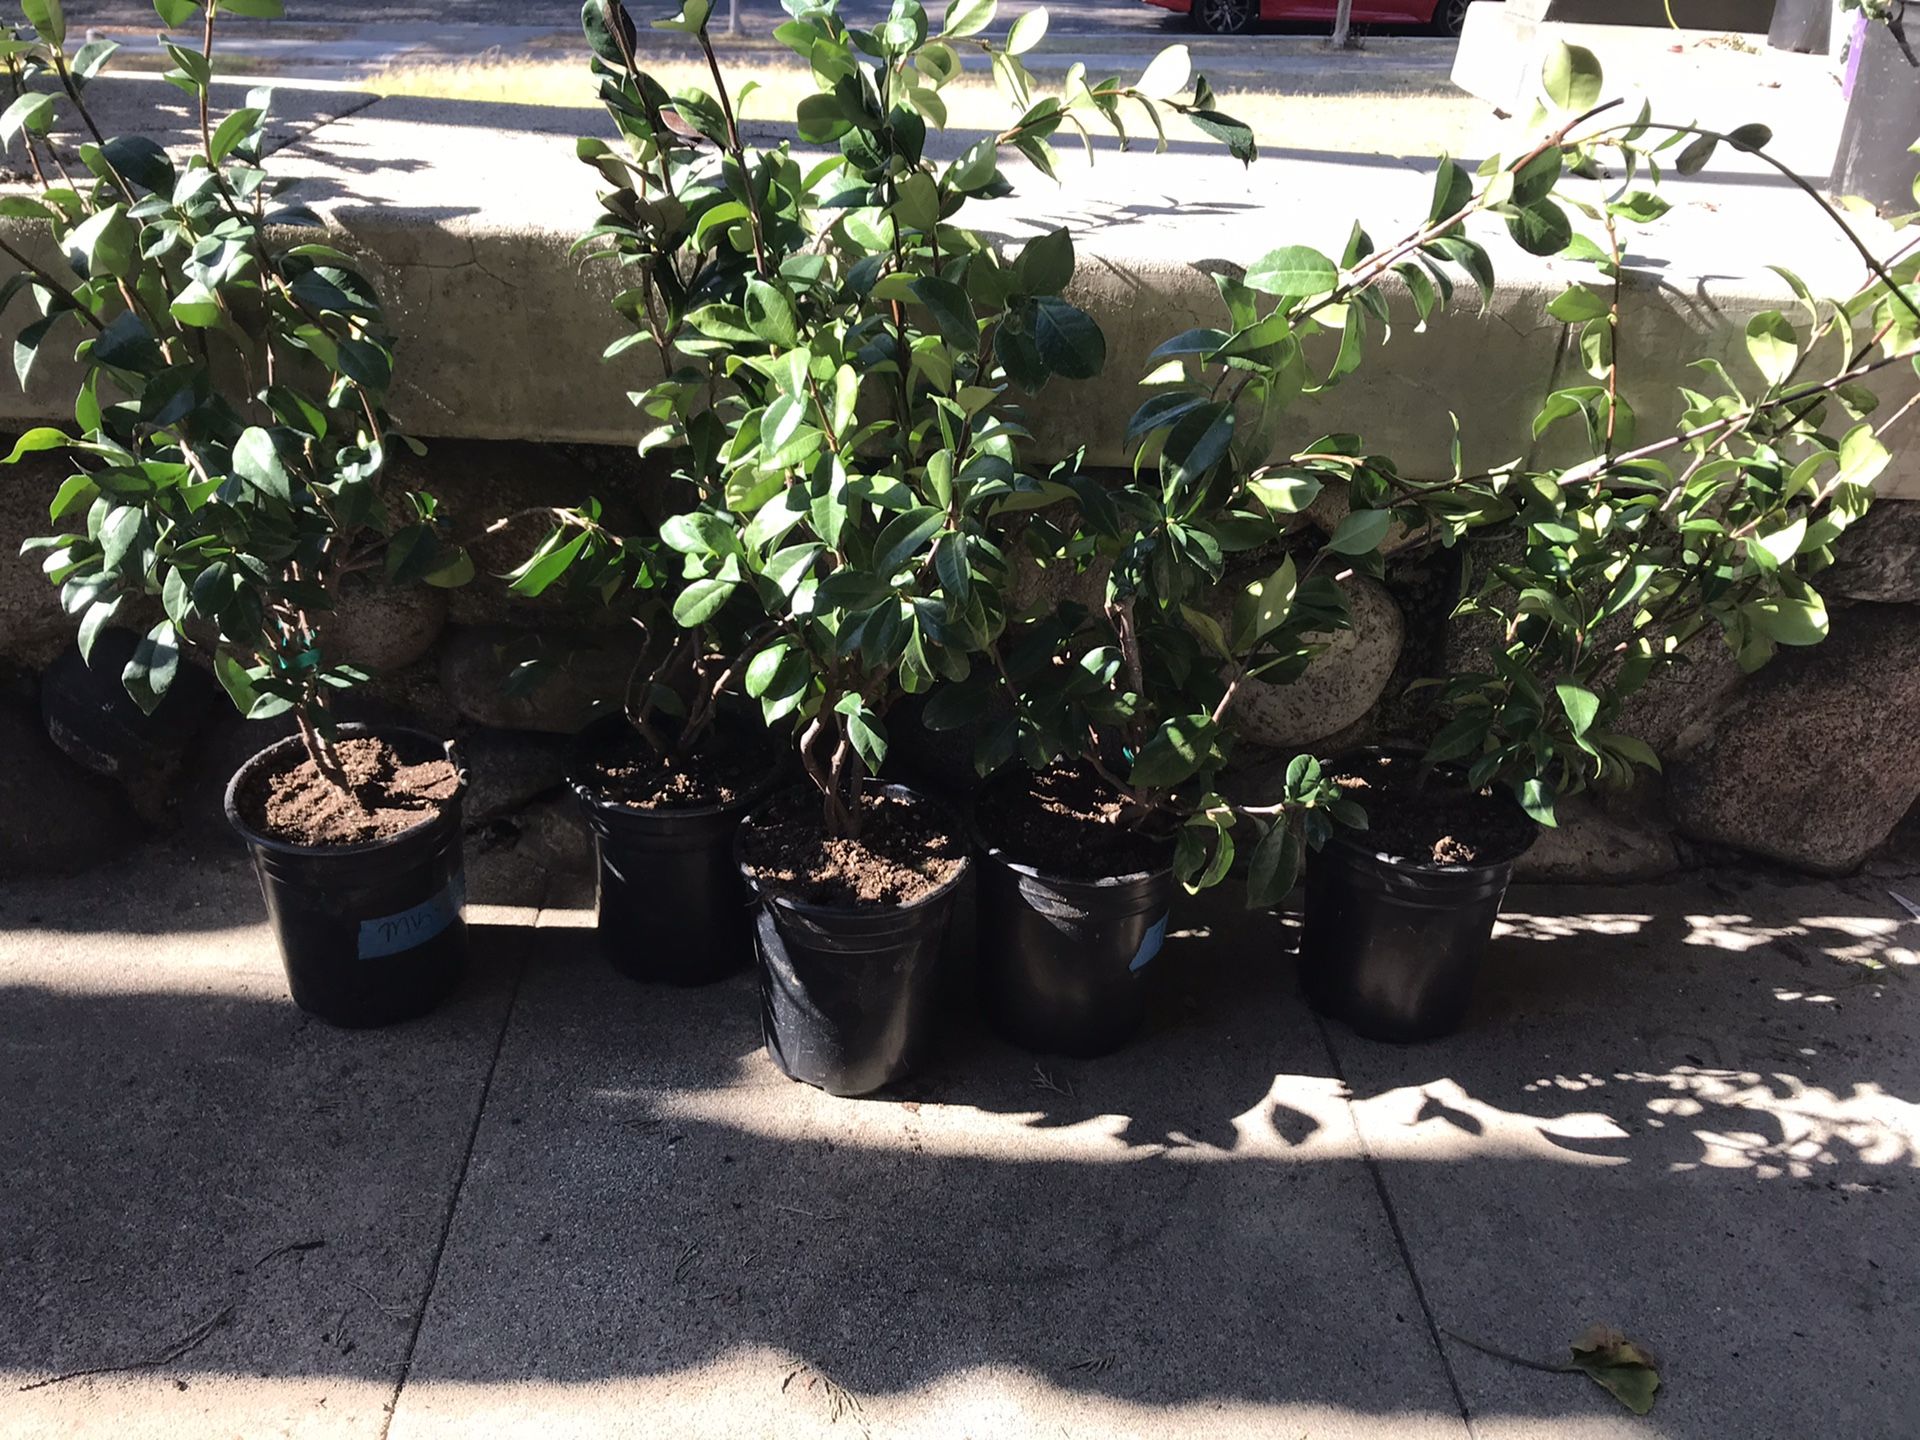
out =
column 1813, row 762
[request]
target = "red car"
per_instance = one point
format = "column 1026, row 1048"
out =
column 1236, row 17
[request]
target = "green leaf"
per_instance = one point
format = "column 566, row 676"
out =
column 1541, row 228
column 1361, row 532
column 234, row 129
column 93, row 622
column 1168, row 74
column 155, row 661
column 1027, row 31
column 1286, row 492
column 1581, row 706
column 903, row 537
column 32, row 111
column 196, row 306
column 1537, row 800
column 1788, row 621
column 119, row 533
column 1294, row 271
column 1694, row 158
column 1070, row 342
column 47, row 19
column 770, row 314
column 1774, row 346
column 1862, row 457
column 1452, row 190
column 1572, row 77
column 967, row 17
column 1623, row 1369
column 700, row 602
column 41, row 437
column 1577, row 304
column 1534, row 181
column 533, row 579
column 1175, row 753
column 1045, row 263
column 1274, row 868
column 173, row 13
column 107, row 244
column 257, row 461
column 1266, row 603
column 1750, row 137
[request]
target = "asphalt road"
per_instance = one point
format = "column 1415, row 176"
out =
column 1066, row 17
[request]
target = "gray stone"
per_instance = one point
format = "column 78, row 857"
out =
column 1672, row 711
column 1879, row 558
column 553, row 837
column 33, row 628
column 507, row 769
column 1601, row 840
column 1340, row 686
column 584, row 676
column 53, row 815
column 1818, row 757
column 384, row 628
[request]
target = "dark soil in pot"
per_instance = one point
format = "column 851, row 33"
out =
column 1073, row 906
column 364, row 888
column 1399, row 915
column 387, row 793
column 849, row 934
column 672, row 907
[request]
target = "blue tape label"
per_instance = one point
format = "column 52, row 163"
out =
column 1150, row 944
column 395, row 934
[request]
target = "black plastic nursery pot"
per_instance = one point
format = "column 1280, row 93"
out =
column 850, row 996
column 1393, row 947
column 371, row 934
column 672, row 907
column 1063, row 961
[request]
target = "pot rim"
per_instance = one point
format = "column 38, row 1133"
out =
column 1346, row 839
column 594, row 800
column 365, row 847
column 998, row 854
column 817, row 911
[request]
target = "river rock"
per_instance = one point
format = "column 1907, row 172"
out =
column 1879, row 557
column 384, row 628
column 584, row 677
column 1339, row 687
column 1601, row 840
column 33, row 628
column 1817, row 758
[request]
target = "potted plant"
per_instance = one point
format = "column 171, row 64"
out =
column 1122, row 716
column 835, row 357
column 1621, row 559
column 230, row 433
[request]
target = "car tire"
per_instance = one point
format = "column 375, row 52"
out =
column 1450, row 17
column 1225, row 17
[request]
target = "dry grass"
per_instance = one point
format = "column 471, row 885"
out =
column 1357, row 124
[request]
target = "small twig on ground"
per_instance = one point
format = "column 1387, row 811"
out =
column 390, row 1308
column 1511, row 1358
column 297, row 1247
column 808, row 1214
column 1043, row 1079
column 186, row 1344
column 1093, row 1364
column 681, row 1265
column 842, row 1403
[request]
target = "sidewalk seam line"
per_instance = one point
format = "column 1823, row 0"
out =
column 459, row 1188
column 1372, row 1163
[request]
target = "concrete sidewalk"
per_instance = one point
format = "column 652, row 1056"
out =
column 572, row 1206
